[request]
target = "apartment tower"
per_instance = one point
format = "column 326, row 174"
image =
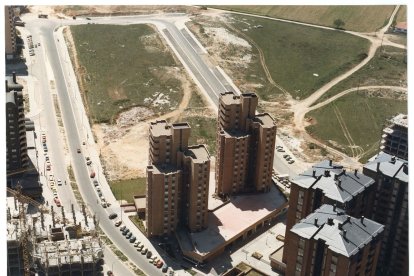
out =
column 245, row 143
column 328, row 242
column 177, row 180
column 391, row 209
column 9, row 32
column 395, row 137
column 329, row 183
column 16, row 142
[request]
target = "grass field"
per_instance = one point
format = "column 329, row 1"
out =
column 125, row 66
column 388, row 67
column 294, row 53
column 402, row 14
column 356, row 18
column 203, row 131
column 126, row 189
column 363, row 117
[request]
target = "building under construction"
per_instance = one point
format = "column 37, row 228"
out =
column 50, row 242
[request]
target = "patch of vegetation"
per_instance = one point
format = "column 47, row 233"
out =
column 196, row 101
column 356, row 18
column 361, row 116
column 120, row 255
column 203, row 131
column 122, row 67
column 126, row 189
column 299, row 58
column 401, row 14
column 387, row 67
column 138, row 223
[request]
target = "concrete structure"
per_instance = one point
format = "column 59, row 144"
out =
column 9, row 32
column 177, row 180
column 328, row 242
column 391, row 209
column 16, row 143
column 58, row 243
column 245, row 143
column 12, row 84
column 395, row 137
column 232, row 222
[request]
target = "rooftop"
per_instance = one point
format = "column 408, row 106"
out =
column 232, row 219
column 12, row 85
column 230, row 98
column 400, row 120
column 334, row 181
column 401, row 25
column 342, row 234
column 164, row 168
column 180, row 125
column 264, row 119
column 389, row 165
column 198, row 153
column 159, row 128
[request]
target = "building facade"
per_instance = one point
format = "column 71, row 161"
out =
column 328, row 242
column 16, row 143
column 9, row 32
column 391, row 209
column 177, row 180
column 395, row 137
column 245, row 143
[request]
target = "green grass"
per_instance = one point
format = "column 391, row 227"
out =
column 126, row 189
column 356, row 18
column 364, row 117
column 388, row 67
column 138, row 223
column 122, row 67
column 293, row 53
column 203, row 131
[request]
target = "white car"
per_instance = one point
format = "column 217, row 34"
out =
column 59, row 182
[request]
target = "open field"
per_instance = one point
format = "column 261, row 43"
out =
column 86, row 10
column 203, row 131
column 299, row 58
column 126, row 189
column 388, row 67
column 353, row 123
column 402, row 14
column 114, row 81
column 356, row 18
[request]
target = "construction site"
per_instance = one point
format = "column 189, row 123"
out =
column 44, row 241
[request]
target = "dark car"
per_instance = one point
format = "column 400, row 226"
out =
column 122, row 228
column 149, row 254
column 112, row 216
column 132, row 239
column 164, row 268
column 126, row 231
column 129, row 235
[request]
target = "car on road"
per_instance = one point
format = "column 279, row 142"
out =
column 132, row 239
column 118, row 223
column 122, row 228
column 110, row 273
column 159, row 263
column 103, row 204
column 95, row 183
column 88, row 18
column 112, row 216
column 88, row 162
column 125, row 231
column 285, row 156
column 164, row 268
column 59, row 182
column 78, row 150
column 144, row 251
column 47, row 158
column 149, row 254
column 55, row 193
column 99, row 193
column 136, row 243
column 92, row 175
column 139, row 248
column 129, row 235
column 291, row 161
column 57, row 201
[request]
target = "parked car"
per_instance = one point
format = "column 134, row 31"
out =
column 136, row 243
column 110, row 273
column 164, row 268
column 78, row 150
column 57, row 201
column 291, row 161
column 112, row 216
column 144, row 251
column 59, row 182
column 139, row 248
column 92, row 175
column 122, row 228
column 95, row 182
column 159, row 263
column 149, row 254
column 118, row 223
column 132, row 239
column 103, row 204
column 88, row 162
column 129, row 235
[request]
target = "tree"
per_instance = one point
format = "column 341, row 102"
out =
column 339, row 23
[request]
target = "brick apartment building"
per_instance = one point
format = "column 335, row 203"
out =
column 245, row 142
column 9, row 32
column 391, row 209
column 16, row 143
column 329, row 242
column 177, row 180
column 395, row 137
